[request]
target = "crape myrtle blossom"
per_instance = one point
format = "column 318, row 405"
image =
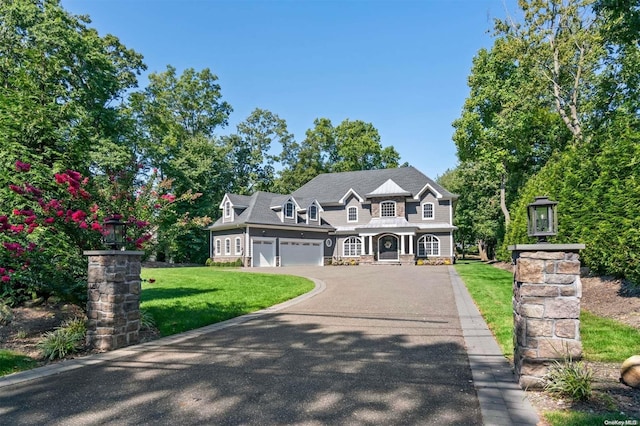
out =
column 58, row 210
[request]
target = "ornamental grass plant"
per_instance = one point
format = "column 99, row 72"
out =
column 64, row 340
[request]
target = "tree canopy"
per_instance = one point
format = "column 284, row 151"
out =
column 553, row 110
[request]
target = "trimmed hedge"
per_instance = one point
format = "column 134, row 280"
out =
column 597, row 186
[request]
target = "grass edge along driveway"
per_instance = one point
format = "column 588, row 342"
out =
column 182, row 299
column 603, row 339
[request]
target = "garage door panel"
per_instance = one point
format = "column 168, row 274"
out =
column 301, row 252
column 263, row 253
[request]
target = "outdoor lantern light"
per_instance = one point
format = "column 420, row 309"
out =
column 114, row 232
column 542, row 218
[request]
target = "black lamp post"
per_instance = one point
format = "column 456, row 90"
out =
column 114, row 232
column 542, row 218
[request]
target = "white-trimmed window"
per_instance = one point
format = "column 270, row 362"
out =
column 351, row 247
column 227, row 209
column 313, row 212
column 352, row 214
column 218, row 246
column 227, row 246
column 289, row 208
column 388, row 209
column 428, row 245
column 427, row 211
column 238, row 245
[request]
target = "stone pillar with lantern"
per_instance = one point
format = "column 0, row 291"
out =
column 546, row 297
column 113, row 305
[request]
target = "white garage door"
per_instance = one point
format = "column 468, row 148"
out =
column 264, row 252
column 301, row 252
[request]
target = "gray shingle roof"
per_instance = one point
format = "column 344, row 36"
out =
column 330, row 187
column 259, row 210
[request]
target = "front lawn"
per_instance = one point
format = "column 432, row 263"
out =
column 181, row 299
column 603, row 339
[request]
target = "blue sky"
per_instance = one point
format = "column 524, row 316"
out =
column 400, row 65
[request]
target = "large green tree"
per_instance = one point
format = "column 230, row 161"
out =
column 531, row 95
column 249, row 151
column 60, row 89
column 352, row 145
column 174, row 108
column 596, row 179
column 62, row 120
column 176, row 117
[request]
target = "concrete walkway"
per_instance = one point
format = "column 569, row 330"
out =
column 371, row 345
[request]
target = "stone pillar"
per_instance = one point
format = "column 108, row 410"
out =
column 113, row 305
column 546, row 308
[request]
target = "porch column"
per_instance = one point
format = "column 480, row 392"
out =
column 402, row 250
column 410, row 244
column 362, row 249
column 370, row 245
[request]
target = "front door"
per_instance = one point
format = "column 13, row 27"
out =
column 388, row 247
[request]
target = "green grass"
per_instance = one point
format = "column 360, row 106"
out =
column 11, row 362
column 574, row 418
column 603, row 339
column 607, row 340
column 492, row 290
column 182, row 299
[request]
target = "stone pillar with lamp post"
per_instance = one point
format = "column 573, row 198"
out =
column 546, row 298
column 113, row 305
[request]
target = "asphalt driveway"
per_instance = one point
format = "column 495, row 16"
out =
column 378, row 345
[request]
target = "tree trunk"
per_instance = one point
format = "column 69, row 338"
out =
column 503, row 204
column 482, row 251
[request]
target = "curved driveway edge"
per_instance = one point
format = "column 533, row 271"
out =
column 93, row 359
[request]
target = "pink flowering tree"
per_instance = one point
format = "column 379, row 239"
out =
column 48, row 219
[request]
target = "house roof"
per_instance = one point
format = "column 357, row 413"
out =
column 259, row 211
column 262, row 208
column 330, row 188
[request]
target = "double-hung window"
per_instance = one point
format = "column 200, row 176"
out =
column 352, row 214
column 313, row 212
column 289, row 208
column 427, row 211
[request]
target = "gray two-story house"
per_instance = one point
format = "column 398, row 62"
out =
column 387, row 216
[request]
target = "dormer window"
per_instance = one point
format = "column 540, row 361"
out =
column 352, row 214
column 289, row 209
column 388, row 209
column 313, row 212
column 227, row 209
column 427, row 211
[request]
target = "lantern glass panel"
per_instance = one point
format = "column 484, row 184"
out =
column 542, row 219
column 114, row 234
